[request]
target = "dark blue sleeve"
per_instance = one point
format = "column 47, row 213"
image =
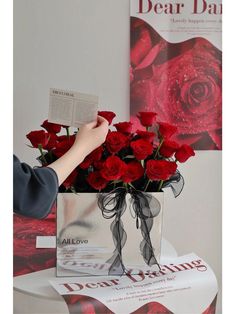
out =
column 34, row 190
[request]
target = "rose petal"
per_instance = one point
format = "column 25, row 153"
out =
column 142, row 47
column 216, row 138
column 148, row 60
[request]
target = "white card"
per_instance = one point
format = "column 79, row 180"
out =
column 72, row 108
column 45, row 242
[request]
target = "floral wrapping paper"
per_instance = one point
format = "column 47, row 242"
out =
column 27, row 258
column 88, row 305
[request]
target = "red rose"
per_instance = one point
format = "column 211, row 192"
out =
column 108, row 115
column 96, row 180
column 98, row 164
column 124, row 127
column 51, row 127
column 115, row 141
column 184, row 153
column 184, row 87
column 145, row 135
column 113, row 168
column 133, row 172
column 38, row 138
column 94, row 156
column 160, row 169
column 71, row 179
column 52, row 142
column 166, row 130
column 147, row 118
column 141, row 149
column 168, row 148
column 64, row 146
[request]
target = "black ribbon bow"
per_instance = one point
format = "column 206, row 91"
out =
column 145, row 207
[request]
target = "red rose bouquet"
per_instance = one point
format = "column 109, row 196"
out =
column 129, row 161
column 143, row 160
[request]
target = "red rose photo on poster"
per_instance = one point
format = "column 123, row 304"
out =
column 176, row 67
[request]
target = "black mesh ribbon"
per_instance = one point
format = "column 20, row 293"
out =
column 176, row 183
column 145, row 208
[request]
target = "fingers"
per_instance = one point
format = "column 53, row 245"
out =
column 102, row 120
column 92, row 125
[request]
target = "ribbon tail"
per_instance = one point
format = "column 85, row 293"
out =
column 146, row 246
column 146, row 207
column 119, row 238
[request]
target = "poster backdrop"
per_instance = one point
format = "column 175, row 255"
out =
column 176, row 67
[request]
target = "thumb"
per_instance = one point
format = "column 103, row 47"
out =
column 91, row 125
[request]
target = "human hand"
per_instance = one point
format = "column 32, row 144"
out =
column 90, row 136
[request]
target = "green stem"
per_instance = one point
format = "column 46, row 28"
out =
column 125, row 185
column 161, row 142
column 131, row 186
column 67, row 131
column 41, row 152
column 51, row 156
column 160, row 185
column 147, row 185
column 73, row 190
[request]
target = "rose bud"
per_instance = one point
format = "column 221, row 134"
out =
column 145, row 135
column 38, row 138
column 166, row 130
column 96, row 181
column 168, row 148
column 184, row 153
column 141, row 149
column 64, row 146
column 160, row 169
column 113, row 168
column 147, row 118
column 51, row 127
column 115, row 141
column 66, row 138
column 124, row 127
column 108, row 115
column 94, row 156
column 133, row 172
column 52, row 142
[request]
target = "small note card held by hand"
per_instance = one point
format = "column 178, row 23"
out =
column 72, row 108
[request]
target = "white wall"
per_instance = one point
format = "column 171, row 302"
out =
column 84, row 45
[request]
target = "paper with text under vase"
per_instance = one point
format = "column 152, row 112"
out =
column 71, row 108
column 185, row 285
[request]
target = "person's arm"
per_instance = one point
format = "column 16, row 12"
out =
column 89, row 137
column 35, row 190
